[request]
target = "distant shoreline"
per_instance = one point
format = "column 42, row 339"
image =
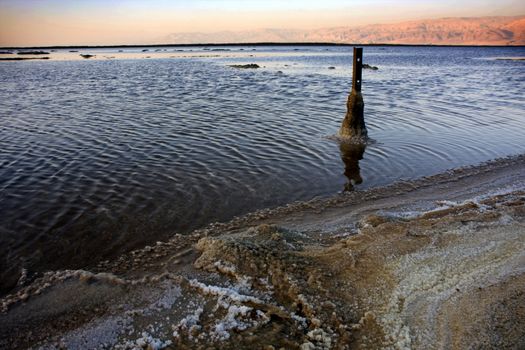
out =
column 239, row 44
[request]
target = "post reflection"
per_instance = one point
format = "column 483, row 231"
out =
column 351, row 154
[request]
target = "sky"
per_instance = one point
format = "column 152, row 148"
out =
column 110, row 22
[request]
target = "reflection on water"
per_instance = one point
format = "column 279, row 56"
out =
column 351, row 154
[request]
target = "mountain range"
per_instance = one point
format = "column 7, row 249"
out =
column 444, row 31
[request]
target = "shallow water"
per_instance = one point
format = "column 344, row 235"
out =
column 102, row 156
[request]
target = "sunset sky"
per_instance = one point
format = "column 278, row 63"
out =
column 104, row 22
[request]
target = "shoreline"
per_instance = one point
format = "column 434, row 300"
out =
column 434, row 262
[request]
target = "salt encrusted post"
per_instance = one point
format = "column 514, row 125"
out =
column 353, row 125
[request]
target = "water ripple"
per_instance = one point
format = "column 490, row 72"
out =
column 99, row 157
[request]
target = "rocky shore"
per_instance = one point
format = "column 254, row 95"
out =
column 436, row 263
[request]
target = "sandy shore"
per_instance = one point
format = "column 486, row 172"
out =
column 436, row 263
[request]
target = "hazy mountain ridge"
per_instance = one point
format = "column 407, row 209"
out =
column 444, row 31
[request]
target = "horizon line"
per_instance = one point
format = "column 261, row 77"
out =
column 245, row 44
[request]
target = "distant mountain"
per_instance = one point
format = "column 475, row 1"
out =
column 444, row 31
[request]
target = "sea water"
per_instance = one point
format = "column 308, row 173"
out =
column 101, row 156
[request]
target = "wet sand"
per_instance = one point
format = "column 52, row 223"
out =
column 436, row 263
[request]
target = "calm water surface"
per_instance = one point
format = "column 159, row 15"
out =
column 102, row 156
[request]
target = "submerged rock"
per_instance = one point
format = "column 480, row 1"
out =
column 6, row 53
column 86, row 56
column 246, row 66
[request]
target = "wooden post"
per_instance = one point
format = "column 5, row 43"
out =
column 353, row 126
column 358, row 69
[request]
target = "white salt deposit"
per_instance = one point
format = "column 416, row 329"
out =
column 447, row 204
column 145, row 341
column 229, row 293
column 237, row 318
column 189, row 323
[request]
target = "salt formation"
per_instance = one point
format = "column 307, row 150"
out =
column 353, row 126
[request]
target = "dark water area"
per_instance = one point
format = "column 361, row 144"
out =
column 98, row 157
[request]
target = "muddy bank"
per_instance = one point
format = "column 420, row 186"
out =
column 434, row 263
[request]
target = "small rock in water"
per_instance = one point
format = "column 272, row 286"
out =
column 331, row 67
column 6, row 53
column 367, row 66
column 86, row 55
column 246, row 66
